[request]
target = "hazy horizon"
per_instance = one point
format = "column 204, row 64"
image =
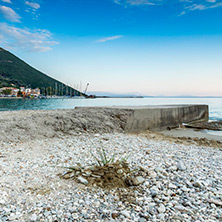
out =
column 144, row 47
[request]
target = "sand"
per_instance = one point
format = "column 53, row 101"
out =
column 192, row 133
column 21, row 126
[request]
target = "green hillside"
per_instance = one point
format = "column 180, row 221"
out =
column 15, row 71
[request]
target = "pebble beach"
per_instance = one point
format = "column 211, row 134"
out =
column 180, row 182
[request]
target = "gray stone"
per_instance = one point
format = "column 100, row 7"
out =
column 197, row 184
column 161, row 208
column 172, row 168
column 137, row 180
column 153, row 193
column 34, row 218
column 158, row 169
column 180, row 208
column 125, row 213
column 172, row 186
column 181, row 166
column 216, row 202
column 142, row 219
column 161, row 217
column 82, row 180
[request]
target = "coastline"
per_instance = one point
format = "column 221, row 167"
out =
column 11, row 98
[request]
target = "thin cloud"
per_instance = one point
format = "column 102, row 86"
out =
column 9, row 14
column 140, row 2
column 186, row 5
column 28, row 40
column 110, row 38
column 203, row 7
column 33, row 5
column 7, row 1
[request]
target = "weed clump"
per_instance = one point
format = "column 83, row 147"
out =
column 107, row 172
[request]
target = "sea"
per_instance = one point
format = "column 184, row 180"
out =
column 215, row 104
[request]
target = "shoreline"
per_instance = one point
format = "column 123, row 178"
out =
column 192, row 133
column 40, row 124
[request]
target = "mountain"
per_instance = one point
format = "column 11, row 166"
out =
column 15, row 72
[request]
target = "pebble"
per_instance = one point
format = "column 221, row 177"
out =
column 82, row 180
column 34, row 218
column 216, row 202
column 153, row 193
column 137, row 180
column 161, row 208
column 197, row 184
column 181, row 166
column 177, row 182
column 125, row 213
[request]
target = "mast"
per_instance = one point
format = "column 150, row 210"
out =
column 56, row 89
column 67, row 90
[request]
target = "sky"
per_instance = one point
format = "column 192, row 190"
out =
column 141, row 47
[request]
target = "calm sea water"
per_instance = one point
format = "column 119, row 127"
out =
column 215, row 104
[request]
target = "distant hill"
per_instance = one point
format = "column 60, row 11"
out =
column 112, row 94
column 14, row 71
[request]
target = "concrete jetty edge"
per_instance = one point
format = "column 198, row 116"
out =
column 157, row 118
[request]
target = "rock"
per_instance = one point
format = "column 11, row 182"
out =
column 172, row 186
column 161, row 208
column 180, row 208
column 161, row 217
column 153, row 193
column 148, row 152
column 68, row 175
column 152, row 174
column 181, row 166
column 185, row 189
column 120, row 171
column 216, row 202
column 137, row 180
column 105, row 138
column 144, row 169
column 75, row 216
column 158, row 169
column 188, row 183
column 82, row 180
column 114, row 215
column 151, row 207
column 34, row 217
column 125, row 213
column 142, row 219
column 95, row 176
column 87, row 173
column 12, row 217
column 197, row 184
column 172, row 168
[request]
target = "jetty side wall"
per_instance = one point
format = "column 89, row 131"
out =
column 163, row 118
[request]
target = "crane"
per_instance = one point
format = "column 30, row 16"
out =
column 87, row 85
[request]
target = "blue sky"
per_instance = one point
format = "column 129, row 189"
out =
column 148, row 47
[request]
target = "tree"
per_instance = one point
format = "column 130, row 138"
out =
column 20, row 94
column 7, row 92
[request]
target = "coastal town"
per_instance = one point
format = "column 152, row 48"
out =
column 21, row 92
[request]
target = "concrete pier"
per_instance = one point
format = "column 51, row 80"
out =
column 157, row 118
